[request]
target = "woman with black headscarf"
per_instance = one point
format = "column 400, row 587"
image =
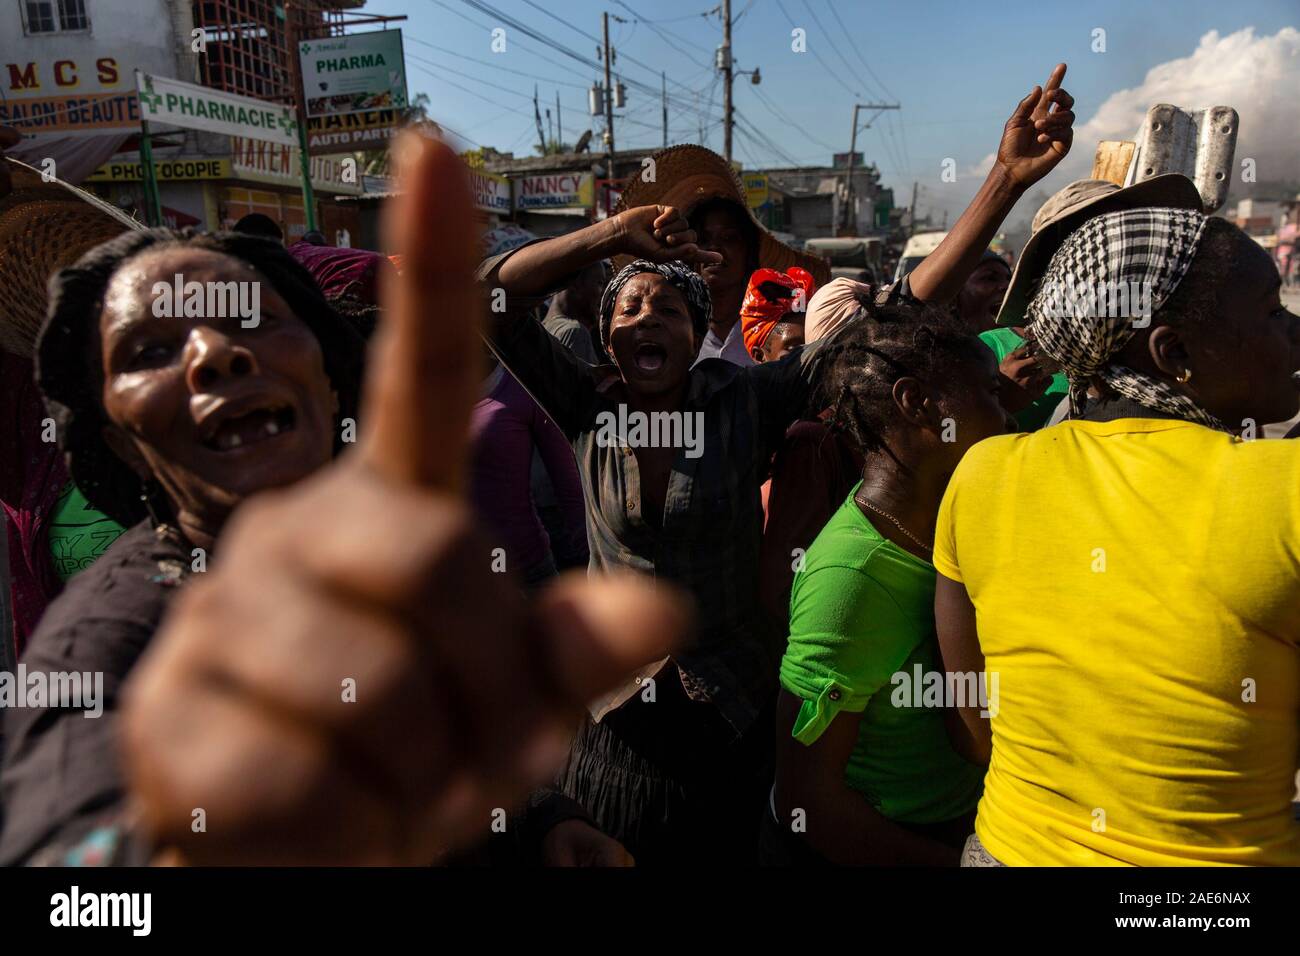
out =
column 169, row 420
column 677, row 765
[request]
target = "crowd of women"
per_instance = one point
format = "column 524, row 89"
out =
column 952, row 575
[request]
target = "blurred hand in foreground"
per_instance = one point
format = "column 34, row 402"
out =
column 370, row 576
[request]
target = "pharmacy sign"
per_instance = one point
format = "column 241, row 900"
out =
column 173, row 103
column 356, row 73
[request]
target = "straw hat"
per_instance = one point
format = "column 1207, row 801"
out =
column 44, row 227
column 1070, row 208
column 686, row 176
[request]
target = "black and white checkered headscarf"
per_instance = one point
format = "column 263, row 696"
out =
column 679, row 274
column 1108, row 278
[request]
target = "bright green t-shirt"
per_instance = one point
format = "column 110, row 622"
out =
column 1034, row 416
column 78, row 533
column 861, row 624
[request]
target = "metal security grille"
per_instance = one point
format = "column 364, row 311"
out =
column 248, row 43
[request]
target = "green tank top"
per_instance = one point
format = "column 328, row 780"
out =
column 78, row 533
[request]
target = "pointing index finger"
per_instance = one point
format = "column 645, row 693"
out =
column 423, row 374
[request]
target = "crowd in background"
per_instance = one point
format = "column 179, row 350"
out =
column 935, row 572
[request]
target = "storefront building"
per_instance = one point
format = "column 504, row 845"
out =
column 68, row 79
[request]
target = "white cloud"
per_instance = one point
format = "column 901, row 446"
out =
column 1258, row 76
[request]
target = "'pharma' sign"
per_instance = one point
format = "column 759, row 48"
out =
column 168, row 101
column 352, row 74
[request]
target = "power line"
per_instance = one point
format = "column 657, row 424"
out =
column 817, row 55
column 891, row 144
column 763, row 138
column 685, row 16
column 664, row 34
column 900, row 158
column 506, row 69
column 531, row 33
column 542, row 38
column 466, row 89
column 830, row 38
column 858, row 53
column 465, row 76
column 526, row 49
column 784, row 118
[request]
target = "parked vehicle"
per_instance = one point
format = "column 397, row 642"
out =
column 850, row 257
column 917, row 248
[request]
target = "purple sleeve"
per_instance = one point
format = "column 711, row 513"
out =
column 557, row 456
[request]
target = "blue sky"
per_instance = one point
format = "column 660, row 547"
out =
column 957, row 69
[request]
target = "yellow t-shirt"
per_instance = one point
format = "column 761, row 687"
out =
column 1137, row 592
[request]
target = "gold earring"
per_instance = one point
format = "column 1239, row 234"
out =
column 1184, row 376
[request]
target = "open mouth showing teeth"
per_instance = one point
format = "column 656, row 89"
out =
column 255, row 426
column 650, row 357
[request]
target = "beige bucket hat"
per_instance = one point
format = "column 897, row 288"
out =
column 1070, row 208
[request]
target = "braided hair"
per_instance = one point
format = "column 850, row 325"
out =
column 877, row 347
column 70, row 372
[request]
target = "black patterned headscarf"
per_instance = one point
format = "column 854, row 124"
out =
column 1106, row 281
column 679, row 275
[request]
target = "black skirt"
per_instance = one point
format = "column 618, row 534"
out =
column 672, row 781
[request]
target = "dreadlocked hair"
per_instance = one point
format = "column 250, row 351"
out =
column 877, row 347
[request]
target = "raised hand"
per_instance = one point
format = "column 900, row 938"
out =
column 351, row 683
column 1039, row 133
column 1023, row 379
column 660, row 234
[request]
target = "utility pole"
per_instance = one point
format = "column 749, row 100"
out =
column 537, row 114
column 609, row 103
column 300, row 107
column 726, row 79
column 664, row 78
column 559, row 126
column 850, row 198
column 911, row 226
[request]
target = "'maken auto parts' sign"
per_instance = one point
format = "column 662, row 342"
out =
column 555, row 191
column 346, row 132
column 258, row 161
